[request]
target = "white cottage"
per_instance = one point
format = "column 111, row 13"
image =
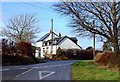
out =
column 50, row 42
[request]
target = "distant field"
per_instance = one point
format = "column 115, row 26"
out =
column 85, row 71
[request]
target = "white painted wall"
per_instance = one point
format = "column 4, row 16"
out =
column 36, row 53
column 55, row 47
column 68, row 44
column 39, row 44
column 48, row 50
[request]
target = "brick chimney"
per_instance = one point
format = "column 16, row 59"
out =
column 59, row 35
column 50, row 31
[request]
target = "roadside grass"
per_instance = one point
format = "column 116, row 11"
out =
column 83, row 70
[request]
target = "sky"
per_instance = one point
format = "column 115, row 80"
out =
column 44, row 13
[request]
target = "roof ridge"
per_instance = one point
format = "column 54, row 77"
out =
column 45, row 36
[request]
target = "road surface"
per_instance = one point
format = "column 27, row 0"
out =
column 52, row 70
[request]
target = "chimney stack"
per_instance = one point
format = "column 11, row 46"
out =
column 50, row 31
column 59, row 35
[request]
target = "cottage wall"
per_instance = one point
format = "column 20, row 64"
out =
column 68, row 44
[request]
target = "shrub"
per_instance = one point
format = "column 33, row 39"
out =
column 108, row 59
column 25, row 49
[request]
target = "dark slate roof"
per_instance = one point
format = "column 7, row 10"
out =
column 61, row 39
column 56, row 38
column 73, row 38
column 45, row 36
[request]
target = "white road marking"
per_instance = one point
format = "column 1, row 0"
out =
column 35, row 67
column 4, row 69
column 39, row 67
column 40, row 74
column 21, row 68
column 9, row 69
column 40, row 77
column 24, row 72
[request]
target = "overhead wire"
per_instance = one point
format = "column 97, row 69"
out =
column 30, row 4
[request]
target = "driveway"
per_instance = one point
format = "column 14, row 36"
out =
column 52, row 70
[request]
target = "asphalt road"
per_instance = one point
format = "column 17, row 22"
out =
column 52, row 70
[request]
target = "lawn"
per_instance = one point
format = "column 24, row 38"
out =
column 87, row 71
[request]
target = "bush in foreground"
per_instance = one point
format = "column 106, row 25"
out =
column 107, row 59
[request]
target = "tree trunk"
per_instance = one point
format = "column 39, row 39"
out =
column 117, row 52
column 115, row 38
column 116, row 46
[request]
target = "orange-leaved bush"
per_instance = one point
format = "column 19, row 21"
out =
column 25, row 49
column 108, row 59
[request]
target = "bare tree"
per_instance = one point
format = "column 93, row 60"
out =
column 21, row 28
column 107, row 46
column 88, row 18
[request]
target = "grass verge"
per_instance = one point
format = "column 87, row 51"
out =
column 84, row 70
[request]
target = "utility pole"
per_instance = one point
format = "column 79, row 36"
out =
column 93, row 40
column 52, row 25
column 52, row 35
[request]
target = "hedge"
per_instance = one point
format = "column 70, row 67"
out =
column 17, row 60
column 75, row 54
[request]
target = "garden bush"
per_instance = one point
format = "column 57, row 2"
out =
column 25, row 48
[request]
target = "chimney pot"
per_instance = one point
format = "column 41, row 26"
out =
column 59, row 35
column 50, row 31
